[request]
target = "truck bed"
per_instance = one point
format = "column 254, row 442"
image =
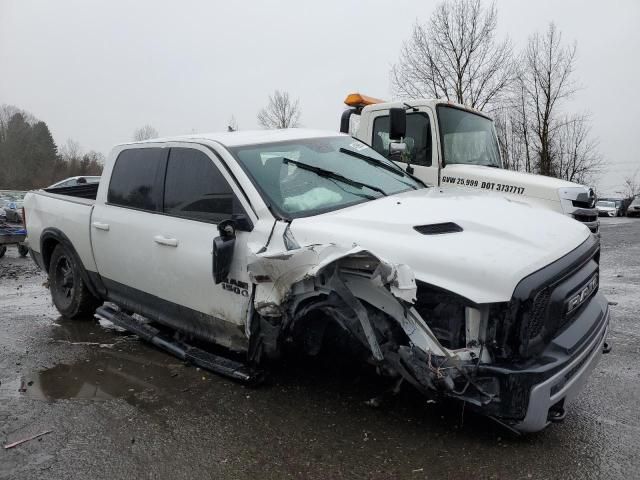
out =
column 62, row 210
column 90, row 191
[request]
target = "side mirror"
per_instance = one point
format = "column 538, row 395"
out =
column 242, row 222
column 223, row 250
column 397, row 123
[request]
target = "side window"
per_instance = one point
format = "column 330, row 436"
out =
column 195, row 188
column 135, row 181
column 418, row 138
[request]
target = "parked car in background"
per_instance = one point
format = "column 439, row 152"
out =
column 73, row 181
column 606, row 208
column 619, row 202
column 13, row 211
column 634, row 208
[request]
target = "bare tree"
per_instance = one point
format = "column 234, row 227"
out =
column 511, row 119
column 577, row 156
column 456, row 56
column 280, row 112
column 632, row 184
column 545, row 80
column 71, row 151
column 144, row 133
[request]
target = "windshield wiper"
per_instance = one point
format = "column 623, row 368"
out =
column 377, row 163
column 321, row 172
column 373, row 161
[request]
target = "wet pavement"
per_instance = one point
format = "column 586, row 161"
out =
column 118, row 408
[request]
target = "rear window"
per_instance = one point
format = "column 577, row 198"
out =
column 195, row 188
column 135, row 179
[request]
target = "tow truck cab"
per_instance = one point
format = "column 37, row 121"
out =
column 446, row 144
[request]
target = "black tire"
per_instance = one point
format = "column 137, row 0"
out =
column 3, row 250
column 23, row 250
column 68, row 290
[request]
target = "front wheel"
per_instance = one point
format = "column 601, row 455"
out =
column 68, row 290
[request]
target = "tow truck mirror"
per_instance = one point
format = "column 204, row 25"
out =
column 397, row 123
column 223, row 246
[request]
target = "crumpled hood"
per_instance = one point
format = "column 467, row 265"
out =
column 501, row 243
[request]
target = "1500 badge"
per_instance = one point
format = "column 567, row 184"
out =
column 236, row 286
column 498, row 187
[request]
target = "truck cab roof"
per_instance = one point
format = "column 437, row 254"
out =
column 420, row 102
column 246, row 137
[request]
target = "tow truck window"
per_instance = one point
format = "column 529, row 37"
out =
column 136, row 179
column 467, row 138
column 418, row 137
column 195, row 188
column 297, row 191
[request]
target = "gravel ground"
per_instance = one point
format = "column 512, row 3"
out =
column 117, row 408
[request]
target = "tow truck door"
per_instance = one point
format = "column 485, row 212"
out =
column 419, row 138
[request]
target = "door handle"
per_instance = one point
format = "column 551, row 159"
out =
column 101, row 226
column 169, row 242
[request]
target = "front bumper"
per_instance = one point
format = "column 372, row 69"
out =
column 606, row 213
column 530, row 391
column 562, row 387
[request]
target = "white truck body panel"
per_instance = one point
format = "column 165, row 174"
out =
column 71, row 217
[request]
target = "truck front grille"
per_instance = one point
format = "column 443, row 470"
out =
column 538, row 313
column 539, row 304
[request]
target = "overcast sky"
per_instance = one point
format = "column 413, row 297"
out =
column 96, row 70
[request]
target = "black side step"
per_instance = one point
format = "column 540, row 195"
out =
column 196, row 356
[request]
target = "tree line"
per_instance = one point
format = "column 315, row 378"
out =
column 457, row 55
column 30, row 158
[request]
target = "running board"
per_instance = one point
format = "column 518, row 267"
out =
column 196, row 356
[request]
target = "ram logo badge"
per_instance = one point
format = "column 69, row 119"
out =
column 583, row 294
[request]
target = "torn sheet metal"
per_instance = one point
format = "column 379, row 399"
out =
column 275, row 272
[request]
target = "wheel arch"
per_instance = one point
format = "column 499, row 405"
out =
column 49, row 240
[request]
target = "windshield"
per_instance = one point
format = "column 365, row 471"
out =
column 312, row 175
column 606, row 204
column 467, row 138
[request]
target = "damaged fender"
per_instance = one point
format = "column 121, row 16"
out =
column 349, row 283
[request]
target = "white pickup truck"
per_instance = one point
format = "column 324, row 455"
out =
column 251, row 240
column 451, row 145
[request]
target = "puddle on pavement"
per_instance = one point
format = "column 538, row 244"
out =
column 113, row 364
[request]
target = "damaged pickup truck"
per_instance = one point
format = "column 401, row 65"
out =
column 251, row 240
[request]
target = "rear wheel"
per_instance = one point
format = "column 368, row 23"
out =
column 68, row 290
column 3, row 250
column 23, row 250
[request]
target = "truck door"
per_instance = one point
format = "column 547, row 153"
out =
column 197, row 197
column 419, row 143
column 174, row 279
column 123, row 222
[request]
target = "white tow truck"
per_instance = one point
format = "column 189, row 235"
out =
column 259, row 240
column 446, row 144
